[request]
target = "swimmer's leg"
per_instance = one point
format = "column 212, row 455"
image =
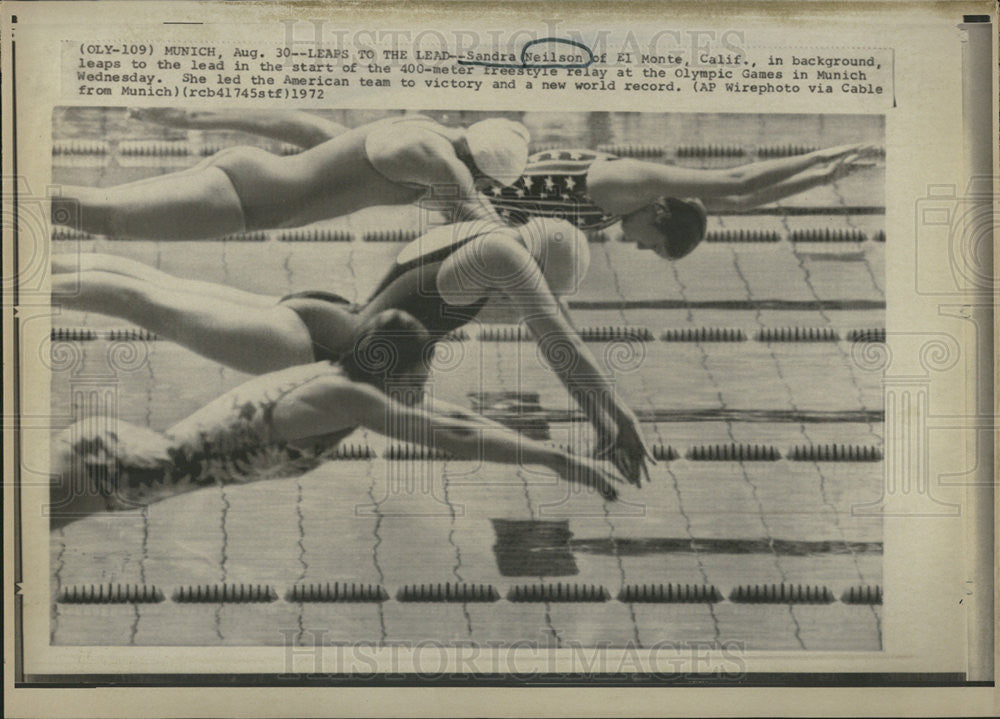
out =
column 249, row 339
column 91, row 261
column 73, row 493
column 103, row 463
column 240, row 188
column 294, row 127
column 194, row 204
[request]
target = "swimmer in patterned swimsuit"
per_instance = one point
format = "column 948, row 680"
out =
column 443, row 278
column 593, row 190
column 285, row 424
column 397, row 160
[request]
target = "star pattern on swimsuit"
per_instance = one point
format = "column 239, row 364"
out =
column 553, row 185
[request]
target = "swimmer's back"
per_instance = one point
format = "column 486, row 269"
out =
column 555, row 184
column 415, row 151
column 246, row 413
column 231, row 440
column 411, row 284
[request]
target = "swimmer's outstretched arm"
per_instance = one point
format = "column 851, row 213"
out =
column 295, row 127
column 524, row 286
column 635, row 183
column 243, row 330
column 330, row 405
column 806, row 180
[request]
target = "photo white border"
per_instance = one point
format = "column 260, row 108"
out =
column 923, row 147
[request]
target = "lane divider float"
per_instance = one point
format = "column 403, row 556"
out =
column 835, row 453
column 626, row 149
column 315, row 235
column 862, row 594
column 797, row 334
column 337, row 592
column 742, row 236
column 80, row 147
column 669, row 594
column 462, row 592
column 558, row 592
column 704, row 334
column 733, row 453
column 225, row 593
column 781, row 594
column 520, row 333
column 404, row 235
column 827, row 234
column 710, row 151
column 448, row 592
column 394, row 235
column 111, row 594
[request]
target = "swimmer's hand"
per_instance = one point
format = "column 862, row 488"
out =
column 621, row 442
column 856, row 151
column 589, row 472
column 630, row 451
column 844, row 165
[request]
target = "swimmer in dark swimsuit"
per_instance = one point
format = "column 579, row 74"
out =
column 441, row 279
column 393, row 161
column 444, row 279
column 285, row 424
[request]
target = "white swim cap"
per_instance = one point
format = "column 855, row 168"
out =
column 499, row 148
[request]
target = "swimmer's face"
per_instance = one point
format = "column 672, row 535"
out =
column 640, row 228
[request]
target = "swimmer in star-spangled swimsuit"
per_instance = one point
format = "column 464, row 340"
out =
column 662, row 208
column 400, row 159
column 286, row 423
column 554, row 184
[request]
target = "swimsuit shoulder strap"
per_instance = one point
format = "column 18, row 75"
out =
column 434, row 246
column 441, row 241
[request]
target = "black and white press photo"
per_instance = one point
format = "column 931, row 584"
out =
column 521, row 360
column 564, row 380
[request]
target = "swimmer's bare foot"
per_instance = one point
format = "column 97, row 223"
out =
column 65, row 287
